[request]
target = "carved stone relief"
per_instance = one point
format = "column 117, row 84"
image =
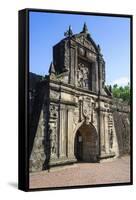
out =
column 81, row 51
column 82, row 76
column 86, row 107
column 91, row 56
column 53, row 138
column 76, row 117
column 66, row 55
column 110, row 130
column 86, row 43
column 54, row 95
column 53, row 111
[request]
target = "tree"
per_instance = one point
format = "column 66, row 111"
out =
column 122, row 92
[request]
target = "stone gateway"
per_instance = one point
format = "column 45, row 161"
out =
column 72, row 114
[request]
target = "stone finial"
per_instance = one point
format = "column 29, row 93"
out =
column 85, row 29
column 51, row 69
column 69, row 32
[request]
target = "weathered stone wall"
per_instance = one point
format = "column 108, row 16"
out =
column 121, row 116
column 37, row 157
column 38, row 124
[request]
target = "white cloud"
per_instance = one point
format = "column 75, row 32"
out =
column 122, row 81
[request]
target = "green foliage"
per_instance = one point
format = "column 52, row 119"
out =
column 121, row 92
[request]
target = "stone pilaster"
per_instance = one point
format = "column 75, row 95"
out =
column 63, row 130
column 70, row 134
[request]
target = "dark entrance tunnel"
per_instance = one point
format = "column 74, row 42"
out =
column 86, row 144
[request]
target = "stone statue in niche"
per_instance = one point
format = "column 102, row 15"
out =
column 82, row 75
column 85, row 77
column 53, row 139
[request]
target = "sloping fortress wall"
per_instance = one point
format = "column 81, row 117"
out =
column 73, row 114
column 121, row 117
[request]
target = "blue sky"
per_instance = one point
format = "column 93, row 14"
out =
column 111, row 33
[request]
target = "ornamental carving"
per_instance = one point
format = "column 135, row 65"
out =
column 86, row 108
column 86, row 43
column 53, row 111
column 75, row 116
column 90, row 55
column 54, row 95
column 81, row 51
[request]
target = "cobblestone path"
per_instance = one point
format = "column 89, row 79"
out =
column 116, row 171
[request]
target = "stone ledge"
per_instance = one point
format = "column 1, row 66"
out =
column 59, row 162
column 106, row 156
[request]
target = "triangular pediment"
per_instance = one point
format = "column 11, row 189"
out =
column 86, row 41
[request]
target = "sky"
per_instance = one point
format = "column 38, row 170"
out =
column 111, row 33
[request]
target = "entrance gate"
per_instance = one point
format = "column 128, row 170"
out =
column 86, row 144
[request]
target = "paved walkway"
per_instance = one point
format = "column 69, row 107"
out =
column 117, row 171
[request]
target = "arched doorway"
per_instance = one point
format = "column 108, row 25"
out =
column 86, row 144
